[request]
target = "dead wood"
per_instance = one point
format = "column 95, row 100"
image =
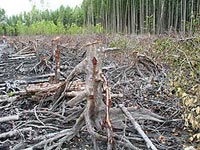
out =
column 42, row 65
column 30, row 48
column 138, row 128
column 97, row 114
column 9, row 118
column 84, row 105
column 5, row 98
column 14, row 132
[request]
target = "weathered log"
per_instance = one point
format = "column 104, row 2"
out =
column 9, row 118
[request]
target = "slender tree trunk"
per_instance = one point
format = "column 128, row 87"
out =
column 126, row 16
column 118, row 16
column 172, row 13
column 198, row 11
column 154, row 16
column 133, row 16
column 147, row 15
column 169, row 18
column 158, row 15
column 102, row 19
column 84, row 18
column 141, row 16
column 176, row 19
column 181, row 15
column 121, row 15
column 114, row 16
column 89, row 15
column 184, row 16
column 106, row 19
column 192, row 17
column 129, row 18
column 92, row 14
column 161, row 17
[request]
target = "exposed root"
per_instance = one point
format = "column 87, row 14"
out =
column 97, row 114
column 86, row 105
column 42, row 65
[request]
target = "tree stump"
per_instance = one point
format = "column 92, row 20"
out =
column 95, row 85
column 97, row 114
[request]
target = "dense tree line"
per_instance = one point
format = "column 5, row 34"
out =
column 124, row 16
column 143, row 16
column 44, row 22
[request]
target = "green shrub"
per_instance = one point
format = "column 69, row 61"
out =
column 74, row 29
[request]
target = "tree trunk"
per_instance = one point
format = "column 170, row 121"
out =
column 154, row 16
column 172, row 13
column 181, row 22
column 129, row 18
column 158, row 15
column 192, row 17
column 114, row 16
column 102, row 14
column 118, row 17
column 121, row 16
column 169, row 16
column 147, row 16
column 176, row 19
column 184, row 16
column 141, row 16
column 125, row 18
column 161, row 17
column 198, row 12
column 133, row 16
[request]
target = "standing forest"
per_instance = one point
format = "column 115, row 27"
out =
column 110, row 16
column 107, row 74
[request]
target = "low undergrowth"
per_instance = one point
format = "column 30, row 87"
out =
column 181, row 57
column 183, row 60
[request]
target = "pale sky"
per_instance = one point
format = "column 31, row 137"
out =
column 13, row 7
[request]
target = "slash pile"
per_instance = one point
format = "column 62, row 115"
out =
column 87, row 96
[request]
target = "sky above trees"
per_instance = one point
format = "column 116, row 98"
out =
column 15, row 7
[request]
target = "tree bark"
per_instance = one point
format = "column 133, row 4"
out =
column 133, row 16
column 184, row 17
column 192, row 17
column 141, row 16
column 154, row 16
column 177, row 14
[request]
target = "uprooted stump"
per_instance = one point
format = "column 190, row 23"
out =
column 101, row 121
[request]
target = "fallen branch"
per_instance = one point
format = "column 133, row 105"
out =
column 9, row 118
column 51, row 139
column 14, row 132
column 138, row 127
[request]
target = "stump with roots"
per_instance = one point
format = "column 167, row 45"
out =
column 100, row 120
column 95, row 86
